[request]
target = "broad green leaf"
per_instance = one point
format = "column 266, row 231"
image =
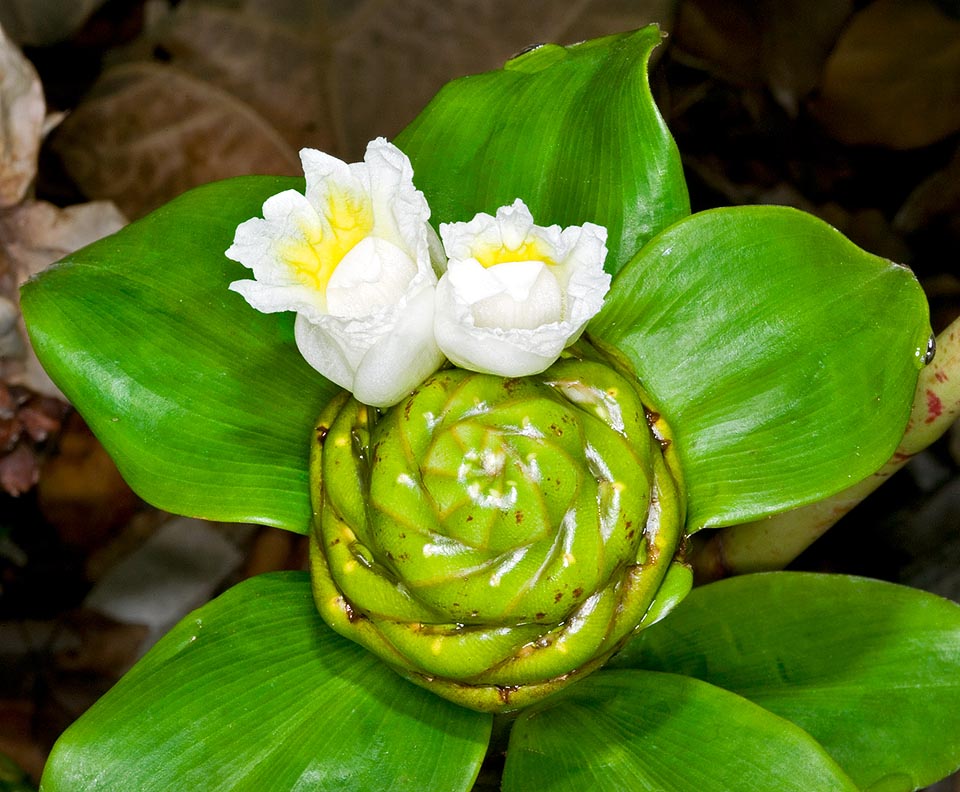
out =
column 573, row 131
column 783, row 357
column 870, row 669
column 204, row 403
column 254, row 692
column 650, row 732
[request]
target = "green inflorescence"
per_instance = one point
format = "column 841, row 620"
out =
column 495, row 538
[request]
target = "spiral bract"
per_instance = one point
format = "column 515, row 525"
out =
column 494, row 538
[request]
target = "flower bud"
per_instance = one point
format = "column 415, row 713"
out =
column 494, row 538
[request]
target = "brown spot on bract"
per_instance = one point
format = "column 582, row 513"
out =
column 505, row 691
column 934, row 407
column 519, row 517
column 540, row 616
column 558, row 596
column 335, row 542
column 352, row 615
column 577, row 592
column 322, row 433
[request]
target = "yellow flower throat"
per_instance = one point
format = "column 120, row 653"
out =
column 314, row 256
column 530, row 250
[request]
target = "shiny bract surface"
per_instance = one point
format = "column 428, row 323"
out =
column 495, row 538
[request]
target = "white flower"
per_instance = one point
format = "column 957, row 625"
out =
column 516, row 294
column 352, row 257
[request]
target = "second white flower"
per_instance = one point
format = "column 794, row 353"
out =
column 515, row 294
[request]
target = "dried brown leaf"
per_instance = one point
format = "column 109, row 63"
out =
column 720, row 37
column 21, row 122
column 33, row 235
column 36, row 234
column 604, row 17
column 11, row 342
column 17, row 739
column 391, row 58
column 797, row 39
column 41, row 418
column 148, row 132
column 780, row 44
column 106, row 646
column 81, row 492
column 10, row 431
column 894, row 77
column 19, row 470
column 39, row 23
column 936, row 197
column 295, row 14
column 278, row 69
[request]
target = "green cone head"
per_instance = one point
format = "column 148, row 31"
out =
column 494, row 539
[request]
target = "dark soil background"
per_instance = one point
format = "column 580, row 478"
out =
column 847, row 109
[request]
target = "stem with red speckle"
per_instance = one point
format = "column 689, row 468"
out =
column 773, row 542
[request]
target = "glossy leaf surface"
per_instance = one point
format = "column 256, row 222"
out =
column 783, row 356
column 870, row 669
column 573, row 131
column 204, row 403
column 254, row 692
column 652, row 732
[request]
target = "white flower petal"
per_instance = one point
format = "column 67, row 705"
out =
column 325, row 174
column 379, row 362
column 516, row 294
column 402, row 358
column 288, row 218
column 374, row 274
column 400, row 209
column 274, row 299
column 321, row 347
column 492, row 350
column 515, row 223
column 458, row 238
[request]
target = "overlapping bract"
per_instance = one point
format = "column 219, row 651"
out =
column 494, row 538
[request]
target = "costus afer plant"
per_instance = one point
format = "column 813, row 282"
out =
column 504, row 378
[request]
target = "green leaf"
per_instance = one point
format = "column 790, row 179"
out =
column 783, row 357
column 870, row 669
column 205, row 404
column 652, row 732
column 254, row 692
column 573, row 131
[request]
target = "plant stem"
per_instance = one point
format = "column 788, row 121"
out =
column 773, row 542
